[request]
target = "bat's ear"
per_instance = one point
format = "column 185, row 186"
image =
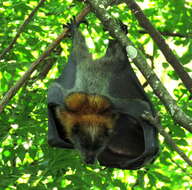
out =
column 134, row 144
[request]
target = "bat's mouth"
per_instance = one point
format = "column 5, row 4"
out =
column 89, row 160
column 90, row 157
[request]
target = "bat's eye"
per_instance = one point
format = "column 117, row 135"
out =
column 107, row 132
column 91, row 147
column 96, row 146
column 75, row 129
column 104, row 111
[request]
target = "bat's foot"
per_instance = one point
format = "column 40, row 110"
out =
column 73, row 25
column 124, row 27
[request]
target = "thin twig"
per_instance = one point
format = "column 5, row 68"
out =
column 13, row 90
column 182, row 169
column 171, row 34
column 21, row 29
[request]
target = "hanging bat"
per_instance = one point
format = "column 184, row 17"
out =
column 95, row 106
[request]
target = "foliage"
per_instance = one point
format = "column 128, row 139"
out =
column 26, row 161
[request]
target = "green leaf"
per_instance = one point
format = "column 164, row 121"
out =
column 162, row 177
column 179, row 132
column 7, row 153
column 165, row 65
column 152, row 179
column 181, row 142
column 173, row 75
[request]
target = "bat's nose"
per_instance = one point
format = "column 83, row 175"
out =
column 90, row 159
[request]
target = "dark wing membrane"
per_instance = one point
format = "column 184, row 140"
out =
column 56, row 133
column 56, row 95
column 134, row 144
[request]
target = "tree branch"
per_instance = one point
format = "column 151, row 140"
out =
column 47, row 64
column 115, row 30
column 21, row 29
column 167, row 52
column 168, row 139
column 167, row 33
column 13, row 90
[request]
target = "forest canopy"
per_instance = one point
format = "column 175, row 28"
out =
column 35, row 46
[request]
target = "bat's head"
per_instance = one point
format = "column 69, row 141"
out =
column 88, row 122
column 91, row 139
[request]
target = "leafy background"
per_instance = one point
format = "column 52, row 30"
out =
column 26, row 161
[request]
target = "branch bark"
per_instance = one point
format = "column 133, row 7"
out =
column 167, row 52
column 13, row 90
column 112, row 25
column 169, row 34
column 168, row 139
column 21, row 29
column 47, row 64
